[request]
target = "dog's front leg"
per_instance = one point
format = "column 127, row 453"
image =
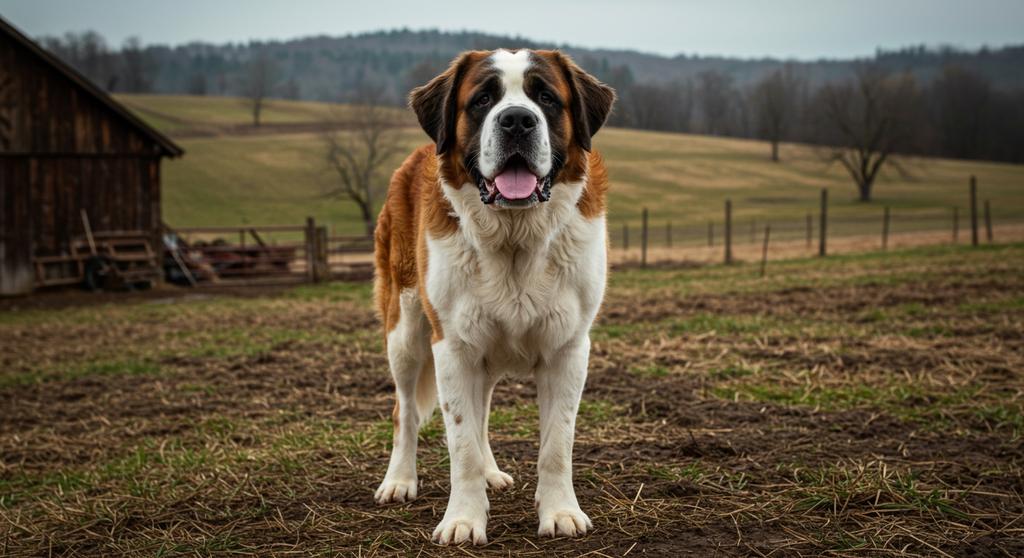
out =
column 559, row 388
column 462, row 384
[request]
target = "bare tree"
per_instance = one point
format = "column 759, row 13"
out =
column 648, row 107
column 867, row 121
column 716, row 93
column 652, row 106
column 88, row 53
column 136, row 65
column 196, row 84
column 291, row 90
column 962, row 99
column 359, row 148
column 424, row 71
column 94, row 58
column 774, row 102
column 259, row 83
column 684, row 110
column 621, row 79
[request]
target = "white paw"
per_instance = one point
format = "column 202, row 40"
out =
column 498, row 480
column 395, row 491
column 460, row 529
column 566, row 522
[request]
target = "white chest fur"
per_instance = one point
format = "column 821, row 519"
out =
column 514, row 287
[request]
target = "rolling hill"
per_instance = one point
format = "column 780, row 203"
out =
column 233, row 174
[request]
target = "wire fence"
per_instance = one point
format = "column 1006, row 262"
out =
column 666, row 233
column 307, row 252
column 646, row 238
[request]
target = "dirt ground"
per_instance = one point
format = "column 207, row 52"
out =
column 865, row 405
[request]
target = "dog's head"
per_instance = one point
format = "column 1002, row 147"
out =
column 512, row 123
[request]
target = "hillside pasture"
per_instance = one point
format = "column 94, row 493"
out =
column 235, row 175
column 190, row 116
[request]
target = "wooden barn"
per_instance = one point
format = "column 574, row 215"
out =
column 69, row 155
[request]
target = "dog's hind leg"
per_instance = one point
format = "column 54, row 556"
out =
column 415, row 394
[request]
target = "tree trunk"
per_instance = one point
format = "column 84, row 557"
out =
column 368, row 220
column 775, row 151
column 865, row 190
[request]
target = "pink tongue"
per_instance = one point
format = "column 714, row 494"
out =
column 516, row 183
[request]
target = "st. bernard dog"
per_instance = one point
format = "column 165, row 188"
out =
column 491, row 256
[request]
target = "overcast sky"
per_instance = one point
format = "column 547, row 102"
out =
column 748, row 28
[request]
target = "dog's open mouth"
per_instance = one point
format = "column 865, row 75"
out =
column 515, row 186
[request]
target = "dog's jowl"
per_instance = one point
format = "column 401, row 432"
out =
column 491, row 258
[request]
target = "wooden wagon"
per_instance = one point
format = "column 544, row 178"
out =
column 107, row 260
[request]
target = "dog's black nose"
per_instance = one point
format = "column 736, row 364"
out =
column 517, row 121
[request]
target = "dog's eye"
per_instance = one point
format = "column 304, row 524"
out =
column 546, row 98
column 483, row 100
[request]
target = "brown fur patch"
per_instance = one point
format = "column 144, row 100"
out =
column 593, row 202
column 394, row 238
column 414, row 205
column 468, row 69
column 561, row 73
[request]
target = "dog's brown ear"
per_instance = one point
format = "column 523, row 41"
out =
column 436, row 104
column 591, row 101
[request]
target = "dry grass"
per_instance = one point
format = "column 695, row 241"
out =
column 859, row 405
column 235, row 175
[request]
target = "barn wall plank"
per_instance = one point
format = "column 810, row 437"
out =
column 16, row 273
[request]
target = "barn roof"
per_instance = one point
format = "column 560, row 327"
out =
column 169, row 148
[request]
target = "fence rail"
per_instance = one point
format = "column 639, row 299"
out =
column 308, row 253
column 268, row 253
column 672, row 234
column 649, row 239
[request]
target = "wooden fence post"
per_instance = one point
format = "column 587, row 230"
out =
column 323, row 267
column 625, row 237
column 764, row 250
column 885, row 229
column 974, row 211
column 728, row 231
column 823, row 226
column 956, row 225
column 643, row 239
column 988, row 222
column 810, row 230
column 310, row 249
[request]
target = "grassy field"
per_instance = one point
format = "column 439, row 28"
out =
column 191, row 115
column 233, row 175
column 858, row 405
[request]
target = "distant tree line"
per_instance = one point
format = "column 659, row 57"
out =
column 960, row 114
column 130, row 68
column 936, row 102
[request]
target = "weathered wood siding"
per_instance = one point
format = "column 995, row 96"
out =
column 61, row 151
